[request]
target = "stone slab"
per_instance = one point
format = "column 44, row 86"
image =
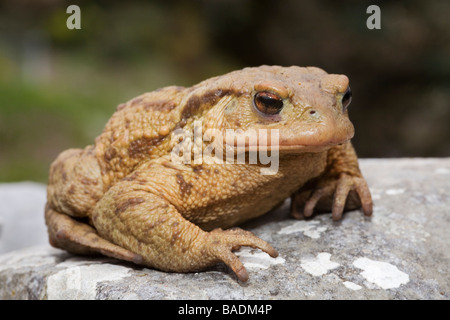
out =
column 401, row 252
column 21, row 215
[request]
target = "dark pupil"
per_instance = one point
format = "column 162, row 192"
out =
column 347, row 98
column 269, row 103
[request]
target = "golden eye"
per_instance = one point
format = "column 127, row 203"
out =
column 346, row 99
column 268, row 102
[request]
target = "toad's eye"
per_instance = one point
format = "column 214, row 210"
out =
column 346, row 99
column 268, row 102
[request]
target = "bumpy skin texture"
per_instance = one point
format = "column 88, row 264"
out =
column 123, row 196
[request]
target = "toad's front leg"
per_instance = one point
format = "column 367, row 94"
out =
column 340, row 187
column 144, row 222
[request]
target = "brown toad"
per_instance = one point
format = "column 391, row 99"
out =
column 124, row 197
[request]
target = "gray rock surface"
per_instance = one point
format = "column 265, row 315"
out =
column 402, row 252
column 21, row 215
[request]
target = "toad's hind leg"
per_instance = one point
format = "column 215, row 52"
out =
column 80, row 238
column 74, row 187
column 75, row 182
column 149, row 225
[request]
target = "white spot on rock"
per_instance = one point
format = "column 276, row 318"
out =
column 383, row 274
column 351, row 285
column 80, row 282
column 376, row 193
column 393, row 192
column 252, row 258
column 376, row 196
column 309, row 228
column 442, row 171
column 320, row 265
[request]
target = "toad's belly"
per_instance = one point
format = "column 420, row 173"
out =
column 245, row 194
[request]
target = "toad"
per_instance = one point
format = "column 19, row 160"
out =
column 126, row 198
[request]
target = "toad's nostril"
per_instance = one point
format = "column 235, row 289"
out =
column 314, row 114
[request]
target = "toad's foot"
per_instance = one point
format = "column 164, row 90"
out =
column 222, row 243
column 345, row 192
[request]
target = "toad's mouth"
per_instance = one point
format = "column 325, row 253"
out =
column 312, row 141
column 291, row 148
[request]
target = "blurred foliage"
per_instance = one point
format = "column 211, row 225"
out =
column 58, row 87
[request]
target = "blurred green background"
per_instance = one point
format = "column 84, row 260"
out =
column 58, row 87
